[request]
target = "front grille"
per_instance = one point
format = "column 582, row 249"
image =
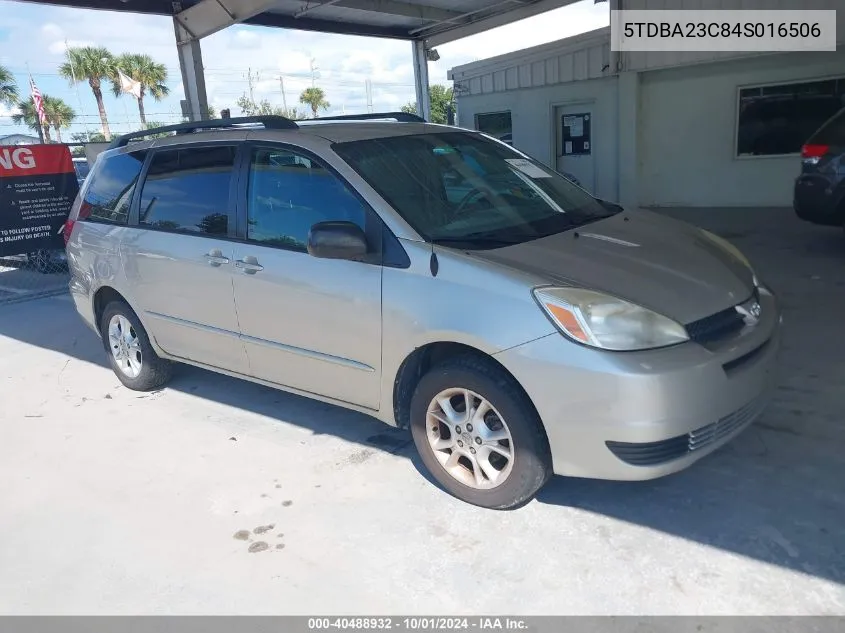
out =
column 719, row 325
column 656, row 453
column 715, row 326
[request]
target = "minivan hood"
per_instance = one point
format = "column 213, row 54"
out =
column 659, row 263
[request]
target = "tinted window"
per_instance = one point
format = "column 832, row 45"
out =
column 288, row 193
column 81, row 169
column 188, row 190
column 832, row 132
column 780, row 119
column 496, row 124
column 109, row 193
column 460, row 187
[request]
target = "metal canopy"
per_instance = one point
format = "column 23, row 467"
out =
column 435, row 21
column 426, row 23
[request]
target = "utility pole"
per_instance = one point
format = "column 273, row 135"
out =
column 314, row 70
column 284, row 97
column 249, row 79
column 368, row 87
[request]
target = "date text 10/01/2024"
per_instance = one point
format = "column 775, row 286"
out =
column 417, row 624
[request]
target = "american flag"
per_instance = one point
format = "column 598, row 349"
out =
column 38, row 100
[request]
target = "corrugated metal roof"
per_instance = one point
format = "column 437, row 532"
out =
column 436, row 20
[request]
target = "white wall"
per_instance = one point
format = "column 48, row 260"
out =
column 585, row 56
column 687, row 132
column 532, row 115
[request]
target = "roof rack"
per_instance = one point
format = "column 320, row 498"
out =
column 269, row 123
column 402, row 117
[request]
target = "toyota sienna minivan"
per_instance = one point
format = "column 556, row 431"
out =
column 434, row 278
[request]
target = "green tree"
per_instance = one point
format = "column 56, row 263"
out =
column 314, row 98
column 145, row 70
column 441, row 97
column 28, row 116
column 85, row 137
column 59, row 115
column 154, row 124
column 293, row 114
column 8, row 87
column 93, row 64
column 265, row 108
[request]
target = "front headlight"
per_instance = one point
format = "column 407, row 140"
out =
column 606, row 322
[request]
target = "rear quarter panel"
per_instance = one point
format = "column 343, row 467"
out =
column 95, row 262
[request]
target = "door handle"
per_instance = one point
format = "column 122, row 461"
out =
column 249, row 265
column 215, row 258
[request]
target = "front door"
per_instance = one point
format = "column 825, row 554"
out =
column 574, row 127
column 307, row 323
column 178, row 260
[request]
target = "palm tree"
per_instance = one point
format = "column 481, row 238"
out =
column 28, row 116
column 146, row 71
column 94, row 64
column 8, row 87
column 59, row 115
column 316, row 98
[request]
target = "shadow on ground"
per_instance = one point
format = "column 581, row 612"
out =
column 775, row 494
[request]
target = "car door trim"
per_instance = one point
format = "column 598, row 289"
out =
column 337, row 360
column 299, row 351
column 192, row 324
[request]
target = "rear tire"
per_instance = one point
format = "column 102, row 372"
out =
column 130, row 354
column 498, row 456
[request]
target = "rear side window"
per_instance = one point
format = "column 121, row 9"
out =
column 109, row 193
column 187, row 190
column 832, row 132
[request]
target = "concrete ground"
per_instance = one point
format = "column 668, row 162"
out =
column 114, row 502
column 20, row 282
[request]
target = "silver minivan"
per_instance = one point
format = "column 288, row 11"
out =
column 430, row 276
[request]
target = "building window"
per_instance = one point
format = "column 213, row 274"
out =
column 778, row 119
column 496, row 124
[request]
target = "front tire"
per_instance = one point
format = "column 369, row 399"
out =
column 479, row 435
column 131, row 356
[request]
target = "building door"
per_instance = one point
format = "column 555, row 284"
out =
column 573, row 129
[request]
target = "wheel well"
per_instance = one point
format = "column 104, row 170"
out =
column 419, row 362
column 102, row 298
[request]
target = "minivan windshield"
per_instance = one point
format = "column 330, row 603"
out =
column 466, row 190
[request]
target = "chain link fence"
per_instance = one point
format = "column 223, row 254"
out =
column 31, row 275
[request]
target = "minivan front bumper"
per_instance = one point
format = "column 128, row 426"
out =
column 642, row 415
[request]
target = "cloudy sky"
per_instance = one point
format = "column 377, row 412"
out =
column 32, row 39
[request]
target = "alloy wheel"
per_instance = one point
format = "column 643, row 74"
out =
column 125, row 346
column 469, row 438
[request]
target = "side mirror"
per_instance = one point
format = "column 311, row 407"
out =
column 337, row 240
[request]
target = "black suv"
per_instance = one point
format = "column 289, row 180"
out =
column 820, row 189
